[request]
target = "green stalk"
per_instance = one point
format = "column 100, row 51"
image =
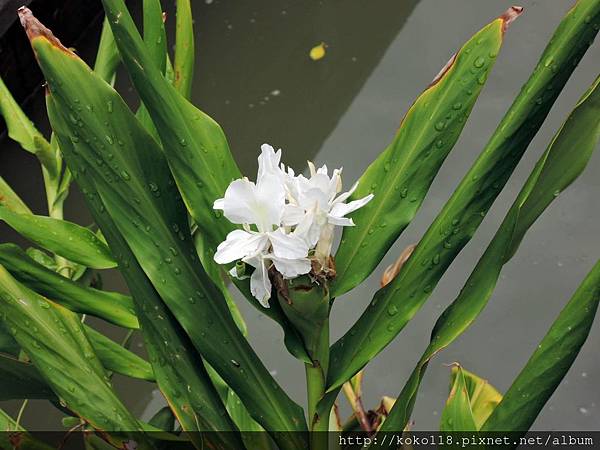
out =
column 316, row 376
column 55, row 209
column 306, row 305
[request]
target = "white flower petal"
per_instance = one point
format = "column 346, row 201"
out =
column 269, row 203
column 322, row 170
column 238, row 203
column 292, row 215
column 341, row 209
column 219, row 203
column 343, row 197
column 340, row 221
column 309, row 228
column 288, row 245
column 240, row 244
column 268, row 162
column 260, row 285
column 291, row 268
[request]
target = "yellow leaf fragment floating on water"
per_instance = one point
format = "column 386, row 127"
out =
column 317, row 52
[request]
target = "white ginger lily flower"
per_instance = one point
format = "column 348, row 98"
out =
column 317, row 208
column 284, row 217
column 261, row 204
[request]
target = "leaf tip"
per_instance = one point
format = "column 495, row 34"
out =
column 509, row 16
column 34, row 28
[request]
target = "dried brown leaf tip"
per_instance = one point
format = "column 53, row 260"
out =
column 510, row 15
column 34, row 28
column 393, row 270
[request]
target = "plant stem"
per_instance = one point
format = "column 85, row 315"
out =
column 315, row 386
column 316, row 375
column 356, row 404
column 21, row 411
column 318, row 426
column 55, row 210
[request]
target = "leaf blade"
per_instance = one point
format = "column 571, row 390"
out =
column 162, row 219
column 64, row 238
column 118, row 359
column 467, row 206
column 557, row 168
column 400, row 177
column 550, row 362
column 457, row 414
column 111, row 306
column 54, row 339
column 184, row 49
column 9, row 199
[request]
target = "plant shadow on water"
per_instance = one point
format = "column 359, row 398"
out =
column 254, row 76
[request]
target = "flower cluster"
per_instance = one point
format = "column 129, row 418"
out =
column 287, row 220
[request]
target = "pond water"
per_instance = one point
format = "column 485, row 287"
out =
column 254, row 76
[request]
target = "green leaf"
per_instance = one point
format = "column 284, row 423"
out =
column 184, row 49
column 139, row 195
column 8, row 345
column 107, row 57
column 394, row 306
column 21, row 380
column 110, row 306
column 10, row 200
column 22, row 130
column 39, row 256
column 198, row 407
column 550, row 362
column 194, row 144
column 457, row 414
column 118, row 359
column 471, row 401
column 64, row 238
column 483, row 397
column 558, row 167
column 54, row 339
column 155, row 36
column 401, row 176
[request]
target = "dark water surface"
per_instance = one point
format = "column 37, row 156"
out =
column 254, row 76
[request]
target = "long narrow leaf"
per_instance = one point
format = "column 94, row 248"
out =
column 107, row 57
column 22, row 130
column 198, row 407
column 194, row 145
column 54, row 339
column 67, row 239
column 155, row 36
column 139, row 196
column 401, row 176
column 118, row 359
column 563, row 161
column 184, row 49
column 550, row 362
column 10, row 200
column 394, row 306
column 111, row 306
